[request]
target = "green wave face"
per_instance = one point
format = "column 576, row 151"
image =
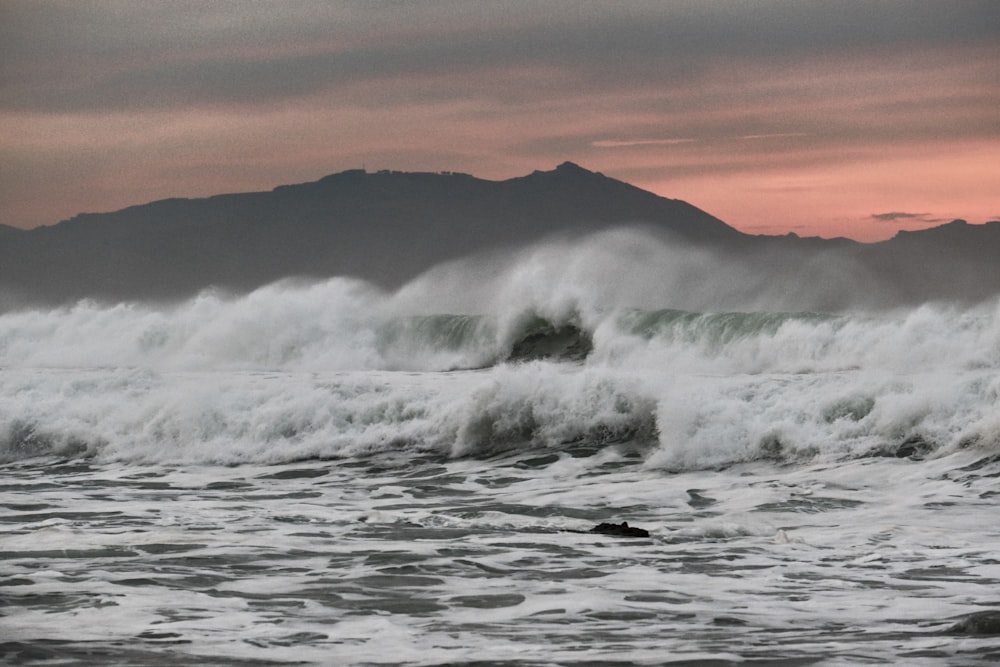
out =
column 713, row 329
column 475, row 340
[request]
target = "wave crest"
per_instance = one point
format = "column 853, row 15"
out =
column 554, row 355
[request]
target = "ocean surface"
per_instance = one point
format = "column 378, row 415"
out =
column 329, row 474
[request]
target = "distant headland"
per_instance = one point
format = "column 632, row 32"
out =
column 388, row 226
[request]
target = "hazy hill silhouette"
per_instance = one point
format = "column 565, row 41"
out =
column 385, row 227
column 389, row 226
column 952, row 261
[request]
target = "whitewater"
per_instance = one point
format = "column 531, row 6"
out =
column 328, row 472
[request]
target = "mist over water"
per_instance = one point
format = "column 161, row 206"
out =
column 596, row 283
column 298, row 370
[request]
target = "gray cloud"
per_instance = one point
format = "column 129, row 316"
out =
column 69, row 55
column 95, row 94
column 632, row 143
column 896, row 216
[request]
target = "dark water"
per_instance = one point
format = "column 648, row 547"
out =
column 432, row 561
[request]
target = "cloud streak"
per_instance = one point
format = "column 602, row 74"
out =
column 775, row 135
column 631, row 143
column 74, row 56
column 893, row 216
column 900, row 216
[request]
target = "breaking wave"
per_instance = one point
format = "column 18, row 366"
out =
column 539, row 356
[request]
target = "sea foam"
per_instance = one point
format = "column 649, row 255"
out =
column 549, row 349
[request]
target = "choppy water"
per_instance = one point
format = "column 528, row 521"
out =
column 392, row 560
column 327, row 474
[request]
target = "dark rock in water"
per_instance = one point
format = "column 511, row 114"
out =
column 980, row 624
column 619, row 530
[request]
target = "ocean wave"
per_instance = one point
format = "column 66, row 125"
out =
column 341, row 325
column 676, row 421
column 539, row 359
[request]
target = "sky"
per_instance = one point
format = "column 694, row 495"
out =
column 823, row 118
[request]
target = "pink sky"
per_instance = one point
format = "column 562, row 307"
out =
column 774, row 116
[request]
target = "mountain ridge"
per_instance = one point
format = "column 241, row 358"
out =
column 384, row 226
column 389, row 226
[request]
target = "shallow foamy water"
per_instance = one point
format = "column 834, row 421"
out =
column 427, row 560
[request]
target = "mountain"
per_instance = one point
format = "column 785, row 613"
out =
column 385, row 227
column 954, row 260
column 389, row 226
